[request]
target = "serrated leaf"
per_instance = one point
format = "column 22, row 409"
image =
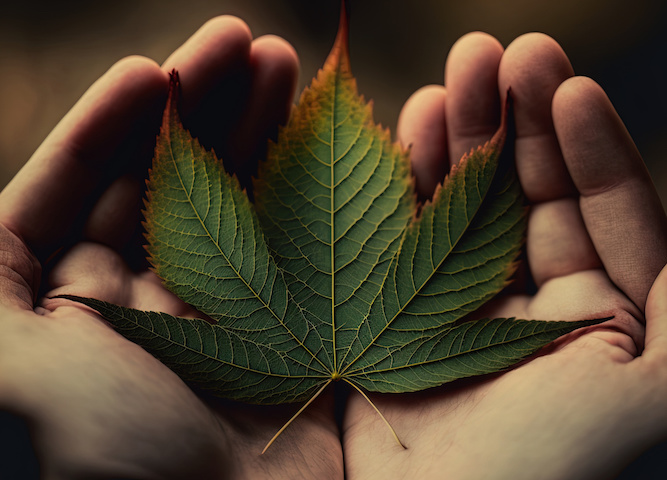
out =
column 334, row 273
column 455, row 256
column 204, row 241
column 334, row 198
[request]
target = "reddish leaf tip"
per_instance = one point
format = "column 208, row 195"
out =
column 344, row 19
column 340, row 56
column 171, row 109
column 501, row 133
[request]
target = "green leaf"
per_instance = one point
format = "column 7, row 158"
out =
column 204, row 241
column 335, row 273
column 472, row 348
column 334, row 199
column 455, row 256
column 211, row 356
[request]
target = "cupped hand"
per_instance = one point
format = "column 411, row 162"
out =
column 99, row 406
column 596, row 241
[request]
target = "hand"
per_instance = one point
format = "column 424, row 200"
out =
column 597, row 238
column 99, row 406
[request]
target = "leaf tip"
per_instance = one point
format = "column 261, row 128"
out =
column 340, row 53
column 174, row 79
column 501, row 133
column 171, row 110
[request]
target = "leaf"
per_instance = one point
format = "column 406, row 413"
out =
column 205, row 242
column 211, row 356
column 335, row 273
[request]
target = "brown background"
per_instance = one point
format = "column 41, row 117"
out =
column 50, row 52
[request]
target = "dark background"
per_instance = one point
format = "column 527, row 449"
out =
column 50, row 52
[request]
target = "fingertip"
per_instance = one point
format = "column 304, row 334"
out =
column 422, row 128
column 533, row 66
column 428, row 99
column 227, row 32
column 474, row 46
column 271, row 83
column 473, row 103
column 127, row 88
column 276, row 47
column 575, row 93
column 529, row 47
column 227, row 29
column 130, row 94
column 532, row 44
column 278, row 60
column 229, row 24
column 578, row 104
column 592, row 137
column 132, row 87
column 138, row 68
column 469, row 53
column 219, row 48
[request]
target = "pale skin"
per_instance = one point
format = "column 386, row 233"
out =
column 100, row 407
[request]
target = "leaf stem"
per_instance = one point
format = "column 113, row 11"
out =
column 273, row 439
column 393, row 432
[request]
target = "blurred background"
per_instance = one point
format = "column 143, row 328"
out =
column 50, row 52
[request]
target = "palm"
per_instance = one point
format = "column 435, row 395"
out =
column 129, row 384
column 448, row 428
column 502, row 426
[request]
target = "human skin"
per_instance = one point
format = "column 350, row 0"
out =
column 100, row 407
column 595, row 244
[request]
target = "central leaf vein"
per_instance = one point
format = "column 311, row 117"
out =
column 224, row 256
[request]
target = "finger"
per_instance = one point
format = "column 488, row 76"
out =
column 209, row 63
column 93, row 270
column 422, row 128
column 215, row 53
column 274, row 72
column 116, row 216
column 557, row 244
column 473, row 103
column 55, row 188
column 557, row 241
column 653, row 361
column 534, row 66
column 235, row 91
column 214, row 58
column 656, row 320
column 619, row 204
column 214, row 71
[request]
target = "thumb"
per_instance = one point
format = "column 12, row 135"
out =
column 656, row 316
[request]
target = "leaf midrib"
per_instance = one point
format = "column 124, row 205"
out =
column 217, row 359
column 331, row 217
column 362, row 371
column 417, row 290
column 236, row 272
